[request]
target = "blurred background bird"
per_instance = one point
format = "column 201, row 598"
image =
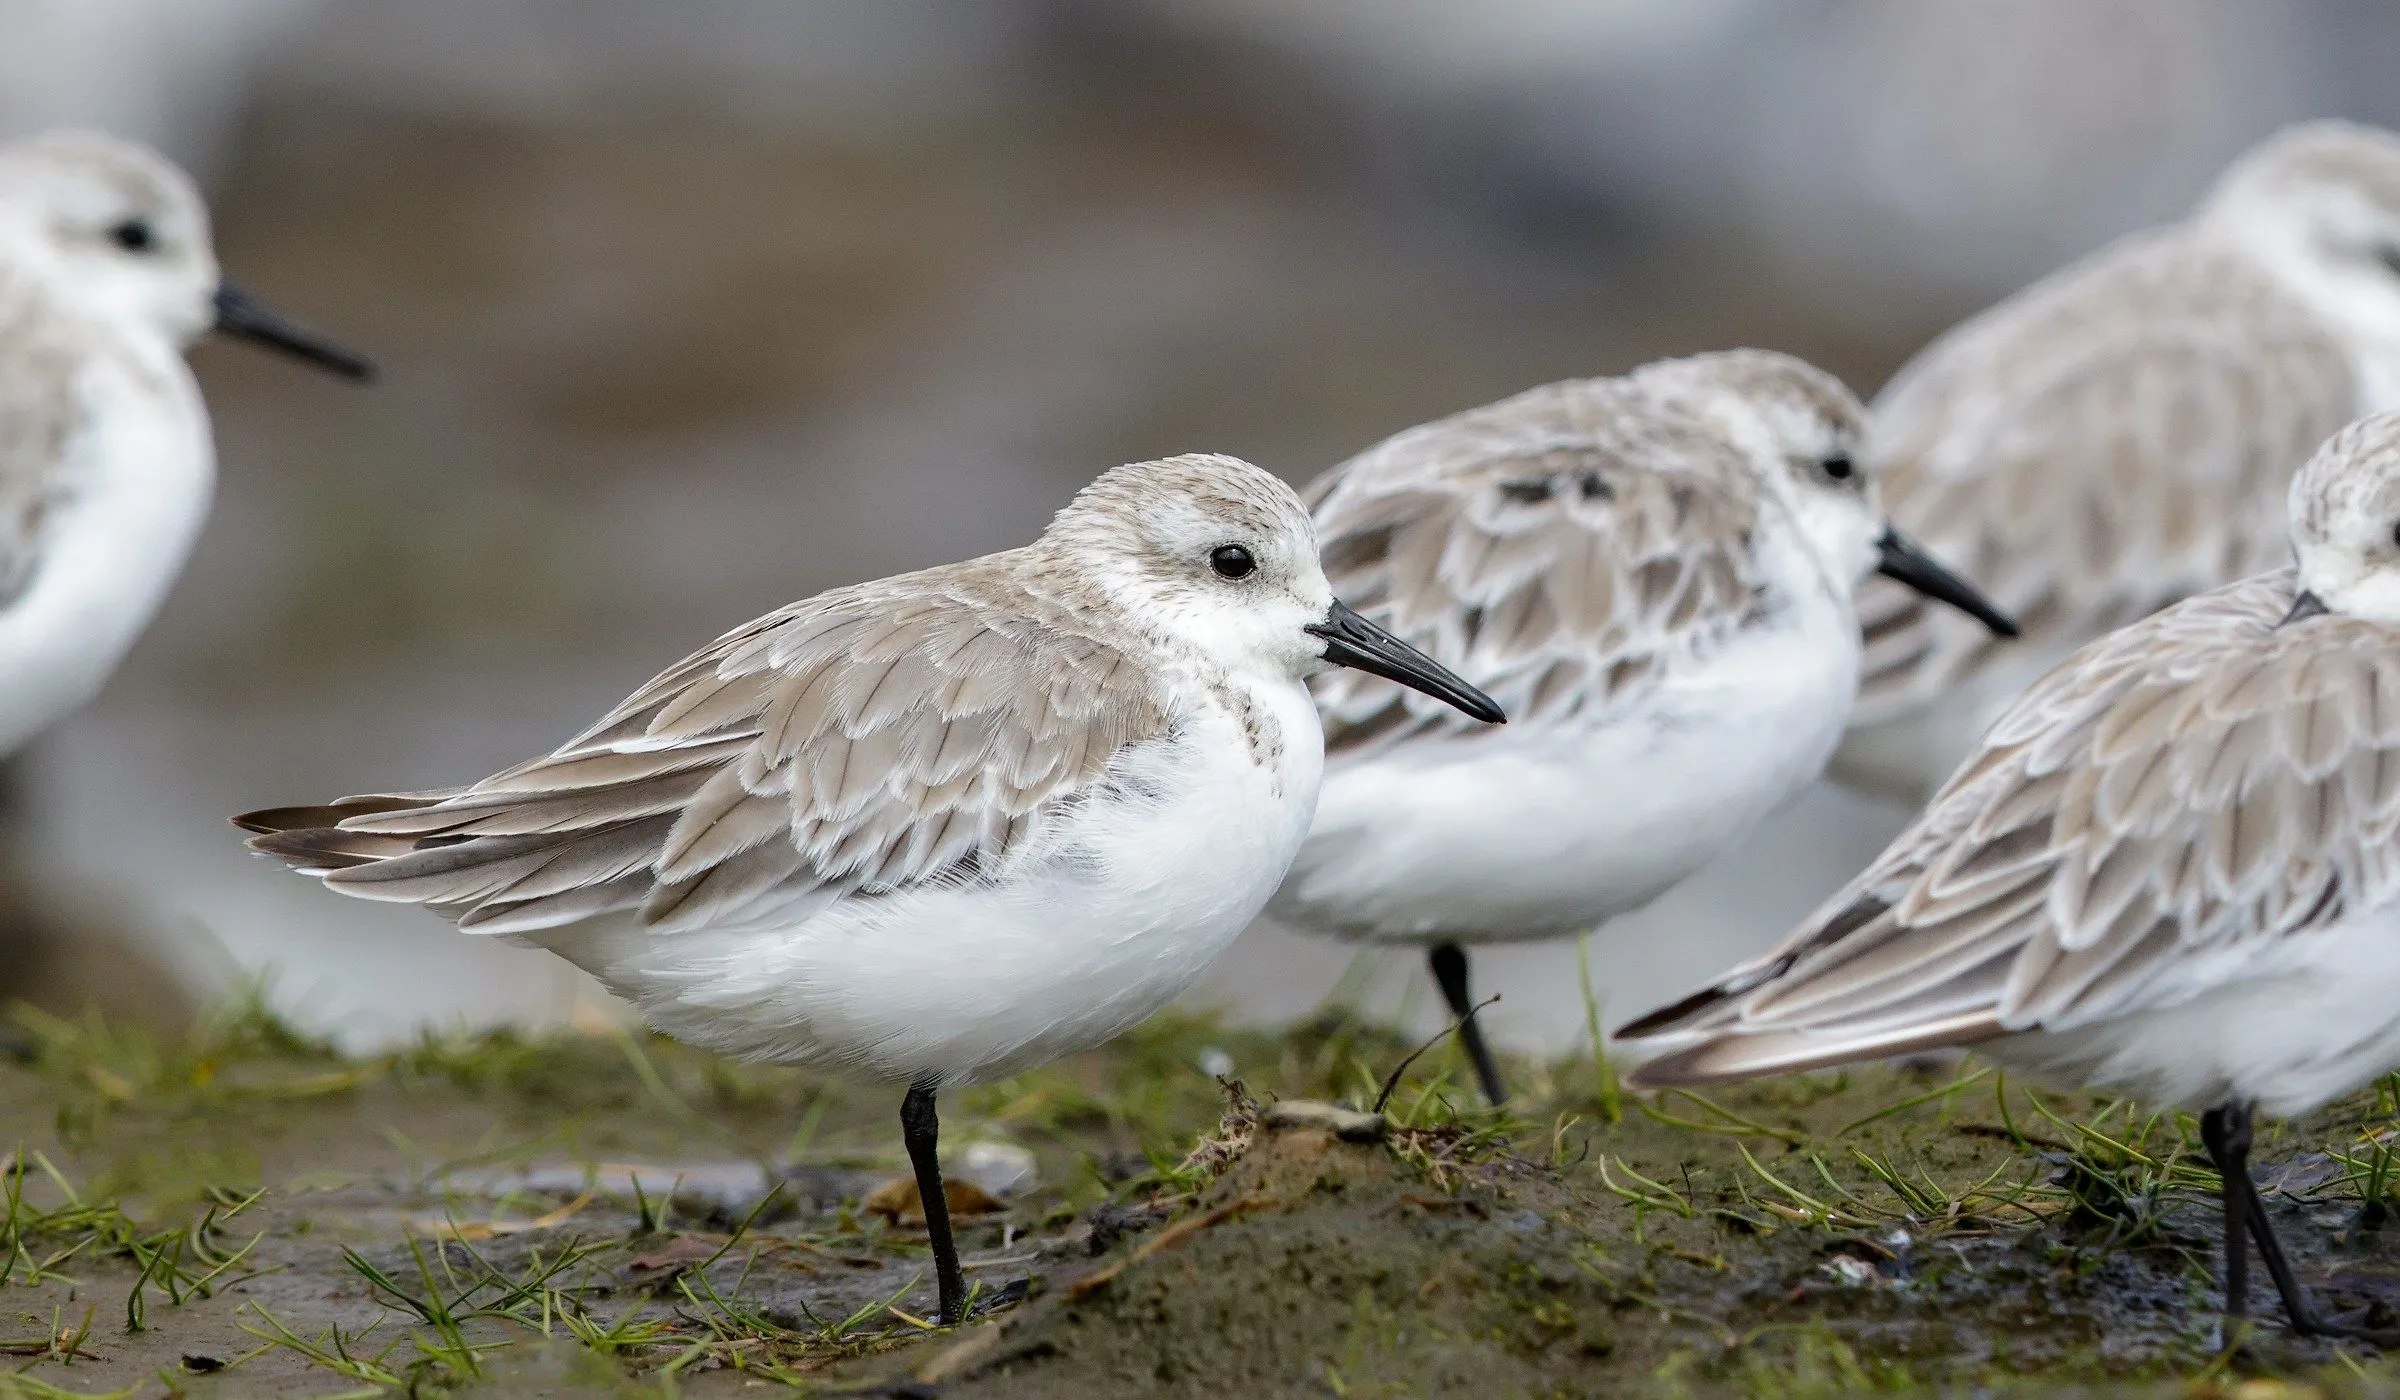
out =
column 2120, row 435
column 106, row 461
column 684, row 315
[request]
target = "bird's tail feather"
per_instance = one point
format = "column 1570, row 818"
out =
column 1734, row 1054
column 311, row 839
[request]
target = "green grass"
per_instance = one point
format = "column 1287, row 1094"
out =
column 145, row 1174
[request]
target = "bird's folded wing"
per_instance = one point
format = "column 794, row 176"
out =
column 39, row 416
column 859, row 741
column 2090, row 451
column 1536, row 548
column 2197, row 786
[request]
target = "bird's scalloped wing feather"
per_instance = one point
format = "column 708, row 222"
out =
column 2198, row 783
column 869, row 739
column 1535, row 547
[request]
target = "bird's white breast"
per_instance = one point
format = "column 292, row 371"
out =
column 133, row 487
column 1537, row 831
column 1134, row 895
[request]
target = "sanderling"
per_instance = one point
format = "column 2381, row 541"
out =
column 1654, row 573
column 935, row 828
column 105, row 461
column 2172, row 868
column 2121, row 434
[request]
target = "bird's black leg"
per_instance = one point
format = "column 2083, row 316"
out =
column 28, row 947
column 2229, row 1151
column 921, row 1129
column 2297, row 1305
column 1449, row 962
column 2226, row 1132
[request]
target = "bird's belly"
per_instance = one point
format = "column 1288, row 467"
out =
column 134, row 491
column 1138, row 894
column 1532, row 833
column 2288, row 1026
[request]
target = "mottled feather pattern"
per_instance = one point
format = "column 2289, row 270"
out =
column 1557, row 548
column 2112, row 439
column 2198, row 783
column 39, row 415
column 2331, row 494
column 925, row 727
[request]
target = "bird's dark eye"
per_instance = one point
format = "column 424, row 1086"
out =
column 2396, row 534
column 1838, row 466
column 1231, row 561
column 134, row 236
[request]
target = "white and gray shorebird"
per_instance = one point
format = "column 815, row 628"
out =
column 105, row 461
column 932, row 829
column 2172, row 868
column 2120, row 434
column 1654, row 574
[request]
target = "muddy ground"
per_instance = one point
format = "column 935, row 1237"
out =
column 241, row 1213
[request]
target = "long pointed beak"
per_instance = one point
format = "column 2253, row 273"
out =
column 1904, row 561
column 245, row 317
column 1351, row 640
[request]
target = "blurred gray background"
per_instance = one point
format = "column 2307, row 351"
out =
column 688, row 310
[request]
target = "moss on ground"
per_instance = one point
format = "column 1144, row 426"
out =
column 242, row 1212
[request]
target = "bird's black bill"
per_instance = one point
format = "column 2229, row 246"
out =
column 1903, row 561
column 1351, row 640
column 2305, row 605
column 245, row 317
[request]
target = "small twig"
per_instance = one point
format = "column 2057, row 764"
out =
column 1438, row 1037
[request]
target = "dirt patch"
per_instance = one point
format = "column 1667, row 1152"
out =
column 1448, row 1264
column 245, row 1214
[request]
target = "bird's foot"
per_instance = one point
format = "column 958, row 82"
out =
column 2348, row 1327
column 992, row 1300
